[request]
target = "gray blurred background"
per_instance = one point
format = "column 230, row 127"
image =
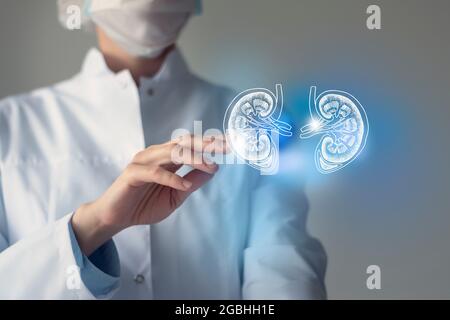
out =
column 391, row 207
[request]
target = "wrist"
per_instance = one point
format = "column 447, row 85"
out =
column 90, row 229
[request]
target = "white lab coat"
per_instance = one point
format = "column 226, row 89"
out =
column 63, row 145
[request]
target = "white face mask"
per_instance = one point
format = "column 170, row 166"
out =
column 143, row 28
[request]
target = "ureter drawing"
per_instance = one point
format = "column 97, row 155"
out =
column 342, row 122
column 252, row 125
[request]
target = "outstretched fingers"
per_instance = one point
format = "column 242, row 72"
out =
column 137, row 175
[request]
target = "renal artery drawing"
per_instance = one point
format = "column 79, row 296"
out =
column 252, row 125
column 343, row 125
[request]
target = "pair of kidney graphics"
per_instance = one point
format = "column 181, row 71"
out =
column 343, row 125
column 252, row 126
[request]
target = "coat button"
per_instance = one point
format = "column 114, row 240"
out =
column 150, row 92
column 123, row 84
column 139, row 279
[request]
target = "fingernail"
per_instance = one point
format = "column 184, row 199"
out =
column 212, row 165
column 187, row 184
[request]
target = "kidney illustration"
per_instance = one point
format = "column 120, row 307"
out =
column 252, row 127
column 343, row 124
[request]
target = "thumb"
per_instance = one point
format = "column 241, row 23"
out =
column 198, row 179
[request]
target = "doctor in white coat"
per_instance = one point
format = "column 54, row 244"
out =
column 91, row 206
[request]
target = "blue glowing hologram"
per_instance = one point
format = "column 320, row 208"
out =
column 342, row 121
column 252, row 127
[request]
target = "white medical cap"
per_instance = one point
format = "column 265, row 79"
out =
column 67, row 8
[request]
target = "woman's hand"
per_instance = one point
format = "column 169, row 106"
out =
column 148, row 191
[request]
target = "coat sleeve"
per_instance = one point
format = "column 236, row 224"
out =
column 49, row 264
column 281, row 261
